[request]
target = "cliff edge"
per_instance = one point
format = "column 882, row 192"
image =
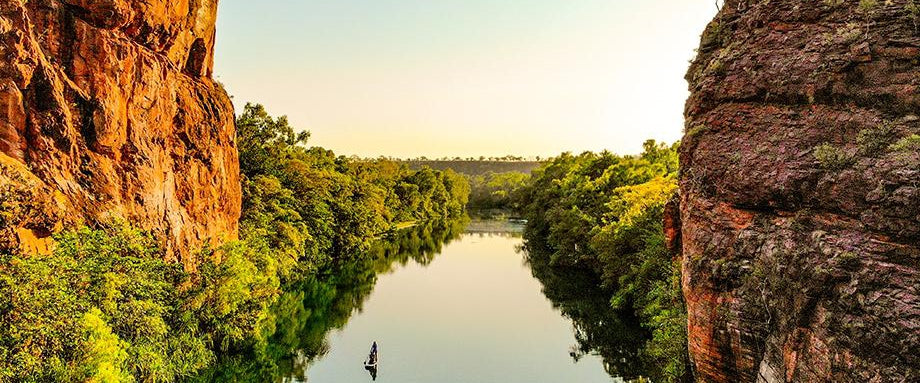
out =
column 800, row 193
column 108, row 112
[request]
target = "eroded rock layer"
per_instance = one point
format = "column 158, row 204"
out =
column 800, row 193
column 108, row 112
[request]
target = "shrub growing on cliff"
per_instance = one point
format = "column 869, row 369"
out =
column 873, row 140
column 831, row 157
column 914, row 12
column 909, row 143
column 867, row 6
column 696, row 130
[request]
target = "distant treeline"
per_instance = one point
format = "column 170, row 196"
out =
column 493, row 182
column 507, row 158
column 497, row 191
column 476, row 167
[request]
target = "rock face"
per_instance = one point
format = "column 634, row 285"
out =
column 800, row 193
column 108, row 112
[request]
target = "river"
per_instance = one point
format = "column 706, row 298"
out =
column 466, row 302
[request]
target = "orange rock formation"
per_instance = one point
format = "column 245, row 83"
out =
column 108, row 111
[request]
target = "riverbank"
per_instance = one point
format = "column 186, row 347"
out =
column 603, row 213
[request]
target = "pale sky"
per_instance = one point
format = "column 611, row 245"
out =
column 435, row 78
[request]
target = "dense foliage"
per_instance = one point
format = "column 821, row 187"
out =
column 106, row 307
column 603, row 213
column 496, row 190
column 310, row 203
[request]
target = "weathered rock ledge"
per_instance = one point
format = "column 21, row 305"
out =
column 800, row 193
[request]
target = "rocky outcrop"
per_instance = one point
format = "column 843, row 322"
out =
column 800, row 193
column 108, row 112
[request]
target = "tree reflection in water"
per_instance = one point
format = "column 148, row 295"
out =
column 295, row 334
column 599, row 329
column 494, row 228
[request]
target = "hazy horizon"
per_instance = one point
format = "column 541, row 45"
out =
column 465, row 78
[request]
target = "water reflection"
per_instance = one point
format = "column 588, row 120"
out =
column 599, row 330
column 373, row 371
column 295, row 334
column 474, row 314
column 494, row 228
column 478, row 301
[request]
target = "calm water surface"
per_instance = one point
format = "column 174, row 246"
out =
column 474, row 312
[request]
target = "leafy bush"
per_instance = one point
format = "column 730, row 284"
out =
column 831, row 157
column 872, row 141
column 909, row 143
column 101, row 353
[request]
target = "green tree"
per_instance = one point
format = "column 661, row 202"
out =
column 603, row 213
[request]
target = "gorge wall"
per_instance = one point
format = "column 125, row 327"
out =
column 800, row 193
column 108, row 112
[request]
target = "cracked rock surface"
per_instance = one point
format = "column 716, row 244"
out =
column 800, row 193
column 108, row 110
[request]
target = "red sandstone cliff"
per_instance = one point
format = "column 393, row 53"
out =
column 108, row 111
column 800, row 193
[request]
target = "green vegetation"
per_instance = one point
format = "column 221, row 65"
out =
column 867, row 6
column 578, row 295
column 294, row 330
column 477, row 167
column 311, row 204
column 849, row 33
column 106, row 307
column 909, row 143
column 831, row 157
column 497, row 190
column 604, row 213
column 874, row 141
column 715, row 35
column 696, row 130
column 494, row 182
column 913, row 10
